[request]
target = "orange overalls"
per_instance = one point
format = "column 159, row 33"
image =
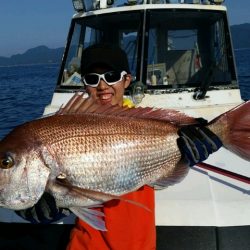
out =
column 129, row 226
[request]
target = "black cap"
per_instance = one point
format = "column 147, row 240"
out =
column 113, row 57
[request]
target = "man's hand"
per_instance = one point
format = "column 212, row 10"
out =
column 197, row 143
column 44, row 211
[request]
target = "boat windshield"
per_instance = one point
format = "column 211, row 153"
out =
column 188, row 49
column 122, row 30
column 166, row 48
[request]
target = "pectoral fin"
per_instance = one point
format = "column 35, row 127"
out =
column 90, row 216
column 62, row 188
column 94, row 195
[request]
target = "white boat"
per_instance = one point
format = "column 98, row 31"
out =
column 181, row 56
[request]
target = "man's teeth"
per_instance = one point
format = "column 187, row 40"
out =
column 105, row 97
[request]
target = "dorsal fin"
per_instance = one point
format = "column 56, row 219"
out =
column 80, row 105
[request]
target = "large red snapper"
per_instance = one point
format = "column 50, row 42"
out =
column 86, row 154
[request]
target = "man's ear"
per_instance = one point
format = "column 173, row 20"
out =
column 128, row 78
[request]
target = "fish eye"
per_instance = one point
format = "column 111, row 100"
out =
column 6, row 162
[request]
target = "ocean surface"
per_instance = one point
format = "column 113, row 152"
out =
column 26, row 90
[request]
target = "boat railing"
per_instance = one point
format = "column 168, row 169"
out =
column 90, row 5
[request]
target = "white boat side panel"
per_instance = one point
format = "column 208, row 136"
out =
column 208, row 108
column 205, row 198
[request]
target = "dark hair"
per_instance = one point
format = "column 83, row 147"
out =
column 106, row 54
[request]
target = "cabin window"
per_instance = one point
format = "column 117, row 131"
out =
column 122, row 30
column 185, row 49
column 71, row 75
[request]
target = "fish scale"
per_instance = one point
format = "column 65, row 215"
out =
column 118, row 161
column 102, row 146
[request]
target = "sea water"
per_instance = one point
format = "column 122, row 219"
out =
column 26, row 90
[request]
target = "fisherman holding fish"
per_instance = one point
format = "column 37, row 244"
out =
column 106, row 75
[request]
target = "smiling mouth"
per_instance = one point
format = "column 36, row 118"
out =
column 105, row 97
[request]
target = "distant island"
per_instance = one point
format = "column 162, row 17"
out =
column 37, row 55
column 43, row 54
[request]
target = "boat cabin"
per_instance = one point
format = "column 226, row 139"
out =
column 172, row 47
column 181, row 56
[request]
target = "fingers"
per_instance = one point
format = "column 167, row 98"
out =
column 45, row 211
column 197, row 143
column 210, row 138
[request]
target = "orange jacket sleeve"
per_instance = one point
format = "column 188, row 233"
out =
column 129, row 227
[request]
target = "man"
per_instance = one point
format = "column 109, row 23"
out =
column 106, row 75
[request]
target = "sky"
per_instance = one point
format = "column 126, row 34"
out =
column 26, row 24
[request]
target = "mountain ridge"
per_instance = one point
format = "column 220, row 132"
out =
column 36, row 55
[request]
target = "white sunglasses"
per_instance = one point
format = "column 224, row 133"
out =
column 110, row 77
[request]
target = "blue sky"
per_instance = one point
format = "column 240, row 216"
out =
column 25, row 24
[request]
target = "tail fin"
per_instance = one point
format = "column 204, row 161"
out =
column 235, row 127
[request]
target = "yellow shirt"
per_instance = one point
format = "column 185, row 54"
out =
column 128, row 103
